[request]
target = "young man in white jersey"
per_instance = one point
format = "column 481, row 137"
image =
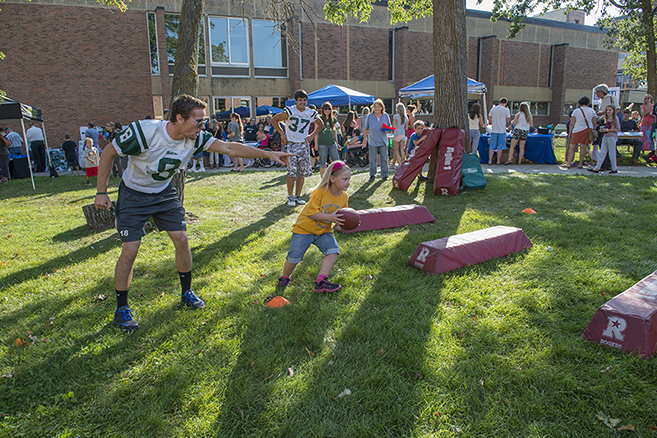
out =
column 296, row 136
column 156, row 149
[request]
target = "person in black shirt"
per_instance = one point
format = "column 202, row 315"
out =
column 629, row 125
column 71, row 153
column 251, row 131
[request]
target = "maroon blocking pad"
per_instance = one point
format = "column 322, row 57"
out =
column 450, row 158
column 413, row 164
column 629, row 320
column 391, row 217
column 449, row 253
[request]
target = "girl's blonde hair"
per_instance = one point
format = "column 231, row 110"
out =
column 400, row 109
column 524, row 108
column 88, row 141
column 336, row 168
column 366, row 111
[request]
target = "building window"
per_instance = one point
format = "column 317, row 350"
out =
column 228, row 41
column 152, row 42
column 422, row 105
column 535, row 108
column 277, row 102
column 269, row 47
column 568, row 108
column 171, row 26
column 223, row 104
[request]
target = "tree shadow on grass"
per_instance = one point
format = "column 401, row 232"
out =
column 374, row 350
column 78, row 256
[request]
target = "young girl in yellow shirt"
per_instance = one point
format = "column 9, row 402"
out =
column 314, row 226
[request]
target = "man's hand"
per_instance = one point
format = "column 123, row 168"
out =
column 281, row 157
column 102, row 202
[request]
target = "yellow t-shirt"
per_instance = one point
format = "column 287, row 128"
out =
column 323, row 201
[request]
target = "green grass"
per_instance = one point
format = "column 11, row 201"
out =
column 492, row 350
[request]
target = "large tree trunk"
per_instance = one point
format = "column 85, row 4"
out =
column 450, row 69
column 651, row 58
column 185, row 70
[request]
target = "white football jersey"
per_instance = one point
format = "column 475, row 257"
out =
column 154, row 157
column 297, row 126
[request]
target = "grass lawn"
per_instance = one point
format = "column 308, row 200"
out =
column 492, row 350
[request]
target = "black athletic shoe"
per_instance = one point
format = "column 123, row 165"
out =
column 614, row 171
column 124, row 319
column 326, row 286
column 372, row 178
column 190, row 299
column 282, row 283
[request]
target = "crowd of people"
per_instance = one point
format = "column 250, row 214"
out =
column 596, row 132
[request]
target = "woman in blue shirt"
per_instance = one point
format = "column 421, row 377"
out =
column 376, row 139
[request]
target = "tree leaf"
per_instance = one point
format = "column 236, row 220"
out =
column 627, row 427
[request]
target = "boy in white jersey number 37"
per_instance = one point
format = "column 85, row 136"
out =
column 298, row 120
column 156, row 149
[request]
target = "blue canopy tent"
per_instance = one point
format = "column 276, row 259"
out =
column 265, row 110
column 245, row 111
column 426, row 87
column 338, row 96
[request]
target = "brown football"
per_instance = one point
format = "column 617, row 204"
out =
column 350, row 217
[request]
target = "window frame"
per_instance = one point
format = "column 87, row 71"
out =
column 228, row 27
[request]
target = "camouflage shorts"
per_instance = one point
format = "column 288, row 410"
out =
column 299, row 166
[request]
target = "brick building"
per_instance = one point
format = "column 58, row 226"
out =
column 79, row 61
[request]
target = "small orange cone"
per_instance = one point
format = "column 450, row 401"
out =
column 529, row 211
column 278, row 302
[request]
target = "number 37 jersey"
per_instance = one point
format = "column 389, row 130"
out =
column 154, row 156
column 297, row 126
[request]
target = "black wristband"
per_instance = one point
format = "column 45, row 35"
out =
column 101, row 193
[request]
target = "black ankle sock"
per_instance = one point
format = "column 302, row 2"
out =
column 185, row 280
column 121, row 298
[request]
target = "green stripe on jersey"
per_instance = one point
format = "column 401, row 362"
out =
column 142, row 138
column 127, row 141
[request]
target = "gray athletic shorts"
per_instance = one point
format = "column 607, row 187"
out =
column 134, row 208
column 299, row 166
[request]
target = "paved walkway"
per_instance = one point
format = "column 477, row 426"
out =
column 541, row 169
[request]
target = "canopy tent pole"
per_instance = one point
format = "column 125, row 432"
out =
column 45, row 137
column 483, row 95
column 27, row 149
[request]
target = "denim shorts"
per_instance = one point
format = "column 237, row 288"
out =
column 498, row 141
column 325, row 242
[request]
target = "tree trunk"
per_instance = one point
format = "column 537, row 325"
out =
column 185, row 70
column 651, row 58
column 178, row 182
column 99, row 219
column 450, row 70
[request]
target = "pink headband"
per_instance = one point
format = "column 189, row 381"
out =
column 336, row 166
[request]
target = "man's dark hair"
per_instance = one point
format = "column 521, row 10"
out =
column 503, row 100
column 67, row 136
column 90, row 124
column 300, row 94
column 184, row 105
column 627, row 111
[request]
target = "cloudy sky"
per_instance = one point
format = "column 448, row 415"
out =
column 487, row 5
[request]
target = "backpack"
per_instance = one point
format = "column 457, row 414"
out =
column 472, row 177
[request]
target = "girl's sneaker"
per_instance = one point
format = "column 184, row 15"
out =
column 326, row 286
column 282, row 283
